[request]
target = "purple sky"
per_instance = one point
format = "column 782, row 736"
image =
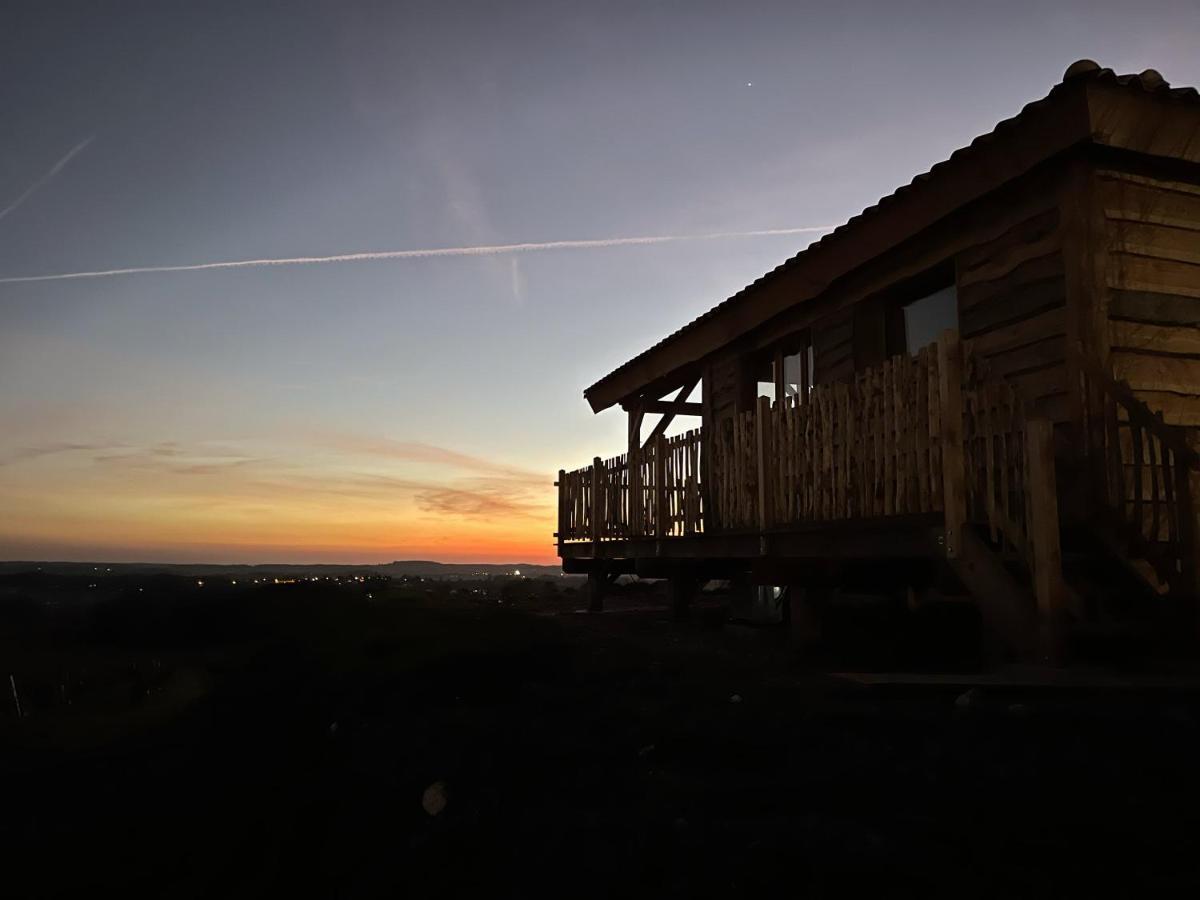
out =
column 405, row 407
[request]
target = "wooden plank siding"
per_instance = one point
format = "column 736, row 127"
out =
column 1012, row 309
column 1151, row 277
column 720, row 393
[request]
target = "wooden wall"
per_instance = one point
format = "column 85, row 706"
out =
column 1012, row 311
column 722, row 389
column 1012, row 308
column 1151, row 282
column 1072, row 253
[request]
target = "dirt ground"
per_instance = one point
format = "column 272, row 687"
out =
column 419, row 750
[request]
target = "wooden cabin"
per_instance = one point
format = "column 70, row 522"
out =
column 994, row 372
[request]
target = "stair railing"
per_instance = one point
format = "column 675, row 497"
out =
column 1145, row 478
column 1009, row 465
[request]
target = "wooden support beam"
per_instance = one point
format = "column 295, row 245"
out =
column 762, row 436
column 954, row 495
column 673, row 407
column 681, row 589
column 562, row 509
column 597, row 587
column 667, row 418
column 597, row 505
column 1003, row 603
column 660, row 487
column 634, row 461
column 805, row 374
column 1044, row 533
column 636, row 415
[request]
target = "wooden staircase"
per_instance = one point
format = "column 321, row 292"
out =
column 1142, row 485
column 1122, row 558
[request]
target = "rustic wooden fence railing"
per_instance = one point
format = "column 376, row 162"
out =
column 659, row 495
column 1145, row 476
column 575, row 507
column 1002, row 450
column 926, row 434
column 858, row 450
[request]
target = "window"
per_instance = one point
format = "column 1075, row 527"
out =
column 786, row 371
column 925, row 319
column 797, row 372
column 765, row 380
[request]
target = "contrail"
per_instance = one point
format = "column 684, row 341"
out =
column 78, row 148
column 488, row 250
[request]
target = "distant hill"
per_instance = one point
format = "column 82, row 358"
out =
column 460, row 570
column 397, row 568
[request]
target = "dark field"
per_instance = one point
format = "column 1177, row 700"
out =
column 279, row 740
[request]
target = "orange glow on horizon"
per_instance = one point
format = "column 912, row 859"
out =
column 358, row 502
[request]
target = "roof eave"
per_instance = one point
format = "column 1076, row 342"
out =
column 1048, row 127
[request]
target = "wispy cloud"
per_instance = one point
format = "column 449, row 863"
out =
column 381, row 255
column 463, row 498
column 482, row 503
column 471, row 488
column 167, row 456
column 23, row 454
column 54, row 170
column 420, row 452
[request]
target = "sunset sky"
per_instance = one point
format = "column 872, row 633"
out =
column 419, row 407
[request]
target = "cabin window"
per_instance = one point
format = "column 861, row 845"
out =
column 765, row 378
column 786, row 371
column 925, row 319
column 797, row 372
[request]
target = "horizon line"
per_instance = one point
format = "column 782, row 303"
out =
column 101, row 562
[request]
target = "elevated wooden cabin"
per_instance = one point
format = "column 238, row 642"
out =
column 993, row 370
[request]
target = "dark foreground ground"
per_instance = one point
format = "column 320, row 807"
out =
column 289, row 743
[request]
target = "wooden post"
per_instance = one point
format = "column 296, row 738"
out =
column 1044, row 533
column 636, row 500
column 805, row 374
column 597, row 586
column 763, row 458
column 803, row 613
column 681, row 589
column 597, row 502
column 660, row 486
column 954, row 499
column 560, row 534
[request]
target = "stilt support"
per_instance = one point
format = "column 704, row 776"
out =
column 597, row 587
column 682, row 590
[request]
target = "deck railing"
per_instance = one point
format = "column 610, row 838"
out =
column 930, row 433
column 659, row 495
column 858, row 450
column 996, row 458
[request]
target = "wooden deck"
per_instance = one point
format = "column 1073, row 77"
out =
column 893, row 463
column 928, row 457
column 920, row 536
